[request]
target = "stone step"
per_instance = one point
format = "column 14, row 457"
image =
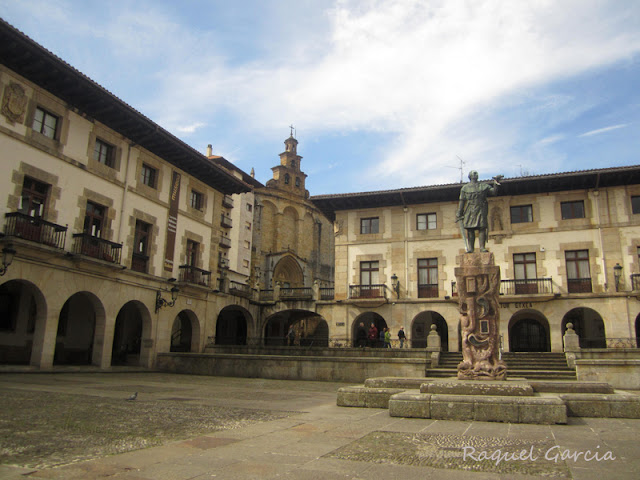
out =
column 525, row 373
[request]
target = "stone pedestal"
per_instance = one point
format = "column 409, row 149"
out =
column 478, row 281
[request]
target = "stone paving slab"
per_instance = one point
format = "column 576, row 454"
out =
column 318, row 440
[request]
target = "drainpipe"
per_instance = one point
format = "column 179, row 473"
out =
column 405, row 209
column 124, row 192
column 596, row 194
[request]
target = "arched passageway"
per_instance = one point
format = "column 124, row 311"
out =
column 362, row 324
column 78, row 321
column 529, row 332
column 231, row 326
column 421, row 326
column 589, row 326
column 22, row 309
column 185, row 332
column 309, row 329
column 127, row 335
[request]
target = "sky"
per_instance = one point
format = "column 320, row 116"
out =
column 382, row 94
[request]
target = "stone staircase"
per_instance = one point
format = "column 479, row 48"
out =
column 529, row 365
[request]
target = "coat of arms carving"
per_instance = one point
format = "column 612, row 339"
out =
column 14, row 103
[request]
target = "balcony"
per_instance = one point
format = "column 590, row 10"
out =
column 225, row 221
column 227, row 201
column 579, row 285
column 194, row 275
column 266, row 295
column 297, row 293
column 139, row 262
column 35, row 229
column 95, row 247
column 239, row 289
column 225, row 242
column 635, row 281
column 327, row 293
column 529, row 286
column 367, row 291
column 427, row 291
column 223, row 263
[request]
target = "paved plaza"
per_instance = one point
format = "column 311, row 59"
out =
column 82, row 426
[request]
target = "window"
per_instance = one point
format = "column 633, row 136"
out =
column 297, row 181
column 521, row 214
column 247, row 244
column 635, row 204
column 104, row 153
column 249, row 207
column 45, row 123
column 33, row 198
column 572, row 210
column 140, row 256
column 426, row 221
column 93, row 219
column 428, row 277
column 369, row 225
column 245, row 263
column 247, row 225
column 578, row 275
column 368, row 278
column 286, row 179
column 192, row 253
column 524, row 265
column 196, row 200
column 148, row 175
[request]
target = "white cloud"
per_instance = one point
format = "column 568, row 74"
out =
column 603, row 130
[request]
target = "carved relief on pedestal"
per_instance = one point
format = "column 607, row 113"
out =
column 478, row 281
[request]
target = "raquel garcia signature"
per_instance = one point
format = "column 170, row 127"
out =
column 553, row 454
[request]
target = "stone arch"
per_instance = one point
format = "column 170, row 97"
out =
column 288, row 272
column 288, row 230
column 185, row 332
column 310, row 329
column 529, row 332
column 133, row 324
column 81, row 328
column 421, row 326
column 589, row 326
column 23, row 314
column 232, row 325
column 367, row 318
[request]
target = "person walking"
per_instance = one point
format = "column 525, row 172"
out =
column 401, row 337
column 387, row 338
column 373, row 335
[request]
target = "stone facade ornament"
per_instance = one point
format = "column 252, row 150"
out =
column 14, row 103
column 478, row 280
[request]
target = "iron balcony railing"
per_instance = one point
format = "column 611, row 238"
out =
column 635, row 281
column 195, row 275
column 579, row 285
column 225, row 242
column 527, row 286
column 427, row 291
column 35, row 229
column 367, row 291
column 226, row 221
column 227, row 201
column 327, row 293
column 96, row 247
column 296, row 293
column 139, row 262
column 239, row 289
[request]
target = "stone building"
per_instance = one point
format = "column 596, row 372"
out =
column 114, row 222
column 568, row 246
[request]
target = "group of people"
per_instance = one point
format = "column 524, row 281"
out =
column 374, row 338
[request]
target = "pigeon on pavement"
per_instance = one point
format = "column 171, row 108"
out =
column 133, row 397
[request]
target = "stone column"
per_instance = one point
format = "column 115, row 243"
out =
column 571, row 346
column 478, row 281
column 434, row 344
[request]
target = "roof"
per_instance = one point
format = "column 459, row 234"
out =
column 226, row 164
column 38, row 65
column 534, row 184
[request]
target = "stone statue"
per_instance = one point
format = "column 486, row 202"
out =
column 473, row 211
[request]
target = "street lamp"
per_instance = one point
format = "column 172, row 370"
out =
column 161, row 302
column 617, row 273
column 7, row 258
column 395, row 284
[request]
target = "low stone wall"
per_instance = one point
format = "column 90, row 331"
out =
column 287, row 367
column 618, row 372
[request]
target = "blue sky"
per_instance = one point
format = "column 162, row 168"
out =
column 383, row 94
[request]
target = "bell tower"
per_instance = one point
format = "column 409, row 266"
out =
column 287, row 176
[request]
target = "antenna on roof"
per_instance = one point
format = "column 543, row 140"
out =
column 461, row 167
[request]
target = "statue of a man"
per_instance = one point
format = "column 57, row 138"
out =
column 473, row 211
